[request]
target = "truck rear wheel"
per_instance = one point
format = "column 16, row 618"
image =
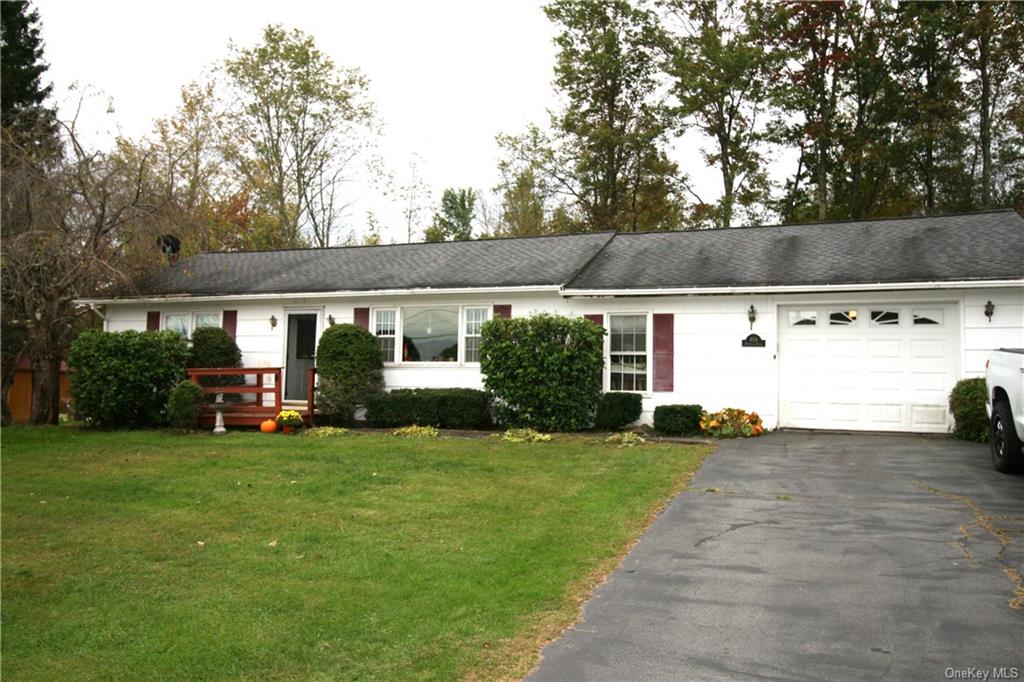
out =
column 1006, row 450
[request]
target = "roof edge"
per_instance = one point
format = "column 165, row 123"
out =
column 797, row 288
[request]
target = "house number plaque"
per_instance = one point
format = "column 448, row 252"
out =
column 753, row 341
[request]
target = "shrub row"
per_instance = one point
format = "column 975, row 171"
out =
column 445, row 408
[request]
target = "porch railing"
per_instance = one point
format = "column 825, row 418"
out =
column 268, row 396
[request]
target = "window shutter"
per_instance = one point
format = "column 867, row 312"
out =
column 503, row 310
column 597, row 319
column 229, row 322
column 664, row 347
column 361, row 316
column 153, row 321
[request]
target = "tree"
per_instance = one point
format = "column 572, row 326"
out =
column 455, row 219
column 522, row 211
column 720, row 76
column 296, row 129
column 22, row 93
column 76, row 226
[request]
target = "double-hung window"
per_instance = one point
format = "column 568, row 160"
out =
column 384, row 326
column 186, row 323
column 475, row 318
column 628, row 352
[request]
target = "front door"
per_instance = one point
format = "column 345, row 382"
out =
column 301, row 354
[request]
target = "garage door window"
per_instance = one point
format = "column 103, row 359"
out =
column 885, row 317
column 803, row 318
column 842, row 318
column 928, row 316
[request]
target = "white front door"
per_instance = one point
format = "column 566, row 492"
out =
column 874, row 367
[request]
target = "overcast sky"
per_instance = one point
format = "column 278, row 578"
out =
column 446, row 76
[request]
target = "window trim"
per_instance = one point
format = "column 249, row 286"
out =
column 463, row 320
column 373, row 321
column 648, row 350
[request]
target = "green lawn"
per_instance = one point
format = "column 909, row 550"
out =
column 150, row 555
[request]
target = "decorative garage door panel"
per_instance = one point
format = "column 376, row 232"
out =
column 873, row 367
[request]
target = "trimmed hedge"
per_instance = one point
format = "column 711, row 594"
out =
column 617, row 409
column 214, row 347
column 544, row 371
column 967, row 404
column 678, row 420
column 350, row 369
column 445, row 408
column 184, row 405
column 125, row 378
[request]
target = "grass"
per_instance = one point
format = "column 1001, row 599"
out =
column 150, row 555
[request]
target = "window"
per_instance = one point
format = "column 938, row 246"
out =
column 430, row 334
column 384, row 328
column 177, row 322
column 207, row 320
column 628, row 356
column 885, row 317
column 928, row 316
column 803, row 318
column 475, row 318
column 842, row 318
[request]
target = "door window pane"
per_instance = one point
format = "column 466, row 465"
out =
column 885, row 317
column 928, row 316
column 803, row 318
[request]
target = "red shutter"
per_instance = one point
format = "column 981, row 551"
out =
column 153, row 321
column 596, row 319
column 229, row 322
column 503, row 310
column 664, row 346
column 361, row 317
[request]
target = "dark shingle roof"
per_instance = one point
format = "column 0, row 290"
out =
column 446, row 265
column 977, row 246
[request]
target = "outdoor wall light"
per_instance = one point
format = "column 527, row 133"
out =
column 990, row 308
column 330, row 320
column 752, row 315
column 273, row 322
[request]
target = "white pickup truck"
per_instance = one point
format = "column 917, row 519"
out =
column 1004, row 401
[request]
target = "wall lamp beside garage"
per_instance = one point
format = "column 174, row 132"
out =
column 990, row 308
column 330, row 320
column 752, row 315
column 273, row 322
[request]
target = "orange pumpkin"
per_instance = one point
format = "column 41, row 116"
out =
column 269, row 426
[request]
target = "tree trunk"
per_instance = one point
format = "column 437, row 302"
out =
column 45, row 389
column 986, row 120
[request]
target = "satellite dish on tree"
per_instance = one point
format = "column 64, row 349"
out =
column 169, row 245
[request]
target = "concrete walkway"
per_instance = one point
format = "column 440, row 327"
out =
column 801, row 556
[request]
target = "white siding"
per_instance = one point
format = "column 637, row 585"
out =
column 710, row 366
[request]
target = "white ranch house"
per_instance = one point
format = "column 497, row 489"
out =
column 860, row 325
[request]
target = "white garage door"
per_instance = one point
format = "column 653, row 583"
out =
column 875, row 367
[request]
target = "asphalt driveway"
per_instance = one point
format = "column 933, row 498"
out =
column 801, row 556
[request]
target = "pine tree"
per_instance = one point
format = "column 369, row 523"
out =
column 22, row 93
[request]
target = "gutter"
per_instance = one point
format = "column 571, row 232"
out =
column 793, row 288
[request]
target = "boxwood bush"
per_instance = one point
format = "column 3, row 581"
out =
column 445, row 408
column 967, row 404
column 617, row 409
column 678, row 420
column 214, row 347
column 184, row 405
column 350, row 371
column 125, row 378
column 544, row 371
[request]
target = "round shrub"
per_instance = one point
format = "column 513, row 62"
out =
column 678, row 420
column 967, row 404
column 350, row 370
column 544, row 371
column 184, row 405
column 125, row 378
column 214, row 347
column 616, row 410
